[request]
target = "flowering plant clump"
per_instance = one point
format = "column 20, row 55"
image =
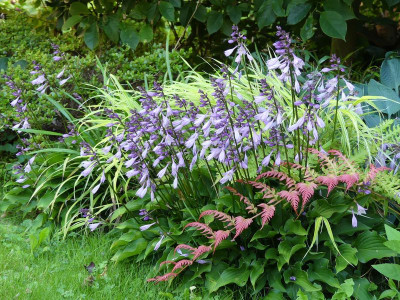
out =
column 245, row 158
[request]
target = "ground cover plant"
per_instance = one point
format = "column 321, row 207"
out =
column 257, row 177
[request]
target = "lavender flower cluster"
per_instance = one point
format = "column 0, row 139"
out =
column 164, row 141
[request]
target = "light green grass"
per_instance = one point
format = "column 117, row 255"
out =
column 58, row 271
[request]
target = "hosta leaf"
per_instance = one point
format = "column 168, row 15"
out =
column 370, row 245
column 257, row 268
column 265, row 15
column 390, row 71
column 348, row 255
column 167, row 10
column 132, row 249
column 340, row 7
column 91, row 36
column 234, row 13
column 129, row 36
column 78, row 8
column 391, row 105
column 392, row 234
column 214, row 22
column 361, row 289
column 391, row 271
column 333, row 24
column 71, row 22
column 302, row 280
column 111, row 28
column 320, row 271
column 306, row 31
column 231, row 275
column 297, row 13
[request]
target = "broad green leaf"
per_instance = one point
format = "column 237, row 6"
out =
column 91, row 36
column 348, row 254
column 320, row 271
column 394, row 245
column 257, row 268
column 390, row 71
column 392, row 234
column 288, row 247
column 214, row 21
column 111, row 28
column 132, row 249
column 277, row 7
column 265, row 15
column 146, row 33
column 361, row 289
column 302, row 280
column 301, row 295
column 71, row 22
column 167, row 10
column 295, row 227
column 297, row 13
column 370, row 246
column 234, row 13
column 78, row 8
column 333, row 24
column 391, row 271
column 175, row 3
column 388, row 294
column 391, row 105
column 306, row 31
column 201, row 14
column 231, row 275
column 340, row 7
column 129, row 36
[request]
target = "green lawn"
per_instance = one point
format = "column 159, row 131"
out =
column 57, row 271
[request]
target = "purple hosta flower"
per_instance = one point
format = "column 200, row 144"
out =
column 354, row 220
column 145, row 213
column 84, row 212
column 239, row 39
column 21, row 179
column 361, row 210
column 62, row 82
column 102, row 179
column 24, row 124
column 147, row 226
column 227, row 176
column 39, row 80
column 28, row 167
column 26, row 186
column 56, row 52
column 93, row 226
column 157, row 246
column 287, row 62
column 292, row 278
column 202, row 261
column 89, row 166
column 162, row 172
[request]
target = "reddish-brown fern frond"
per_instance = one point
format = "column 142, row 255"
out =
column 292, row 197
column 373, row 171
column 309, row 174
column 349, row 167
column 167, row 262
column 182, row 264
column 289, row 182
column 263, row 188
column 218, row 215
column 183, row 246
column 220, row 235
column 349, row 179
column 330, row 181
column 306, row 190
column 164, row 277
column 268, row 212
column 240, row 225
column 324, row 159
column 200, row 251
column 204, row 229
column 250, row 206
